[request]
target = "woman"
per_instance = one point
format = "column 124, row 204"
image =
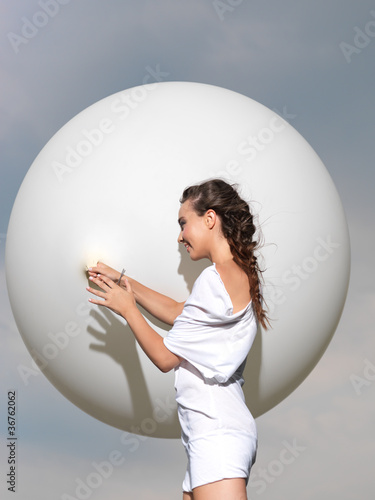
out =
column 211, row 336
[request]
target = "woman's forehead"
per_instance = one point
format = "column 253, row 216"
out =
column 185, row 209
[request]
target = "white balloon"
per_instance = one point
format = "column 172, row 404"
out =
column 107, row 187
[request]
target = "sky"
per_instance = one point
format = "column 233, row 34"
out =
column 314, row 62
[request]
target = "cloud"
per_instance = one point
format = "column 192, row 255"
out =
column 44, row 474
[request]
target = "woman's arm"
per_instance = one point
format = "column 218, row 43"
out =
column 160, row 306
column 157, row 304
column 122, row 301
column 151, row 342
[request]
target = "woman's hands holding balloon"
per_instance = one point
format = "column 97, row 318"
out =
column 104, row 270
column 119, row 299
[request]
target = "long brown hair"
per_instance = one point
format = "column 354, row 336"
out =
column 238, row 228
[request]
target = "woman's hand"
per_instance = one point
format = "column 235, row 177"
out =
column 119, row 300
column 104, row 270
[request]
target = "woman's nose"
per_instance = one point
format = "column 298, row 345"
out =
column 179, row 239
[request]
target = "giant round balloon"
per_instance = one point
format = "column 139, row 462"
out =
column 107, row 187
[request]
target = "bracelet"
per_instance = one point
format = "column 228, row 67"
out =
column 121, row 275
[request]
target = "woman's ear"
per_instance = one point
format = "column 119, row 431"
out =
column 210, row 218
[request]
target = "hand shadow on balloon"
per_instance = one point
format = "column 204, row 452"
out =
column 117, row 341
column 190, row 270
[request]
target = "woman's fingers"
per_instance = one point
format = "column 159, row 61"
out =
column 109, row 294
column 95, row 301
column 107, row 281
column 98, row 293
column 103, row 270
column 102, row 281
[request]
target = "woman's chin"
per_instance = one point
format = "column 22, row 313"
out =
column 195, row 257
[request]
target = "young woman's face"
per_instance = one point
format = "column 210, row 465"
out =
column 194, row 232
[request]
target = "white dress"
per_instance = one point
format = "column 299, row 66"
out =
column 218, row 430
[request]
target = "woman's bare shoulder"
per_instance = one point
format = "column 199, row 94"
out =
column 236, row 284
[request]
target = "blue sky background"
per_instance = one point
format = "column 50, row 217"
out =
column 290, row 57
